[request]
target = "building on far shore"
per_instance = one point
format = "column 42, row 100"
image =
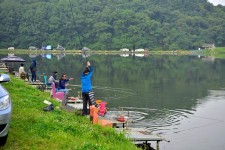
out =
column 207, row 46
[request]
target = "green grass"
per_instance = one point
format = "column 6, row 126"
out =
column 32, row 128
column 219, row 52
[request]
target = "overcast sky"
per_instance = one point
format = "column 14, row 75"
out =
column 216, row 2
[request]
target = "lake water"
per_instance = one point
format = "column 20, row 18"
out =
column 182, row 97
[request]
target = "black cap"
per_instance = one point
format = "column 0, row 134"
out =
column 55, row 72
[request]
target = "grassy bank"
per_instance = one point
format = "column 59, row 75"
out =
column 32, row 128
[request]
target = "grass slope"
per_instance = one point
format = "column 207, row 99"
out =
column 32, row 128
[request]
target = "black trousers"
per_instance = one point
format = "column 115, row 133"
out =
column 86, row 99
column 33, row 76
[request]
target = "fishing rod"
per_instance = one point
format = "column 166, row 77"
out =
column 75, row 25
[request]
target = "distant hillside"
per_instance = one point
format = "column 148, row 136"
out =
column 111, row 24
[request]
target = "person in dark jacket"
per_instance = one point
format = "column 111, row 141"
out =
column 62, row 84
column 33, row 69
column 86, row 86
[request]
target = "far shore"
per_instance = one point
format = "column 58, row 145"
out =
column 218, row 52
column 26, row 51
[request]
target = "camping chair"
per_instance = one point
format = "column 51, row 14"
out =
column 46, row 83
column 55, row 94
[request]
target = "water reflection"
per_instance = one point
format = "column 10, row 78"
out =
column 60, row 56
column 139, row 55
column 124, row 55
column 33, row 55
column 203, row 129
column 159, row 121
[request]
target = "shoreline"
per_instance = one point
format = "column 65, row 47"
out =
column 31, row 127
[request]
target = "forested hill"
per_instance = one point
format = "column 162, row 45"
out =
column 111, row 24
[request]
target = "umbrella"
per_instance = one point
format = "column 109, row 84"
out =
column 12, row 59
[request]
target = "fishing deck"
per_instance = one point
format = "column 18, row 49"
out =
column 141, row 136
column 76, row 104
column 3, row 67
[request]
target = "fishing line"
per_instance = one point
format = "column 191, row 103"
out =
column 215, row 121
column 113, row 88
column 75, row 25
column 198, row 127
column 109, row 89
column 132, row 108
column 128, row 94
column 116, row 90
column 114, row 98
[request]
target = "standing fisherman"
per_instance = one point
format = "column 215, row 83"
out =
column 33, row 68
column 86, row 87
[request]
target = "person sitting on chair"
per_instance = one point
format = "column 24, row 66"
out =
column 22, row 72
column 62, row 84
column 52, row 78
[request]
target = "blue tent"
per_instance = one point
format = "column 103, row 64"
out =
column 48, row 47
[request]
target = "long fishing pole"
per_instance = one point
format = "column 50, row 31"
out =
column 75, row 25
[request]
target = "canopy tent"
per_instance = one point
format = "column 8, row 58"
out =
column 12, row 59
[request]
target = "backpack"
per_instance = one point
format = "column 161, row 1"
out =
column 49, row 108
column 23, row 75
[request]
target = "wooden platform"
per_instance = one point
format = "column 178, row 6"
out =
column 3, row 69
column 138, row 135
column 36, row 83
column 76, row 104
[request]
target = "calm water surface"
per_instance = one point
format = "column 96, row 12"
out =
column 182, row 97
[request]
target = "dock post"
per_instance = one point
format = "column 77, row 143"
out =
column 157, row 145
column 93, row 114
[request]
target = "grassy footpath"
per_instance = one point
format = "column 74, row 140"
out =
column 32, row 128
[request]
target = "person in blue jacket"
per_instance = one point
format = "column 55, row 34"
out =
column 86, row 86
column 62, row 84
column 33, row 69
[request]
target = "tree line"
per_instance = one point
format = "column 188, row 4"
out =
column 111, row 24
